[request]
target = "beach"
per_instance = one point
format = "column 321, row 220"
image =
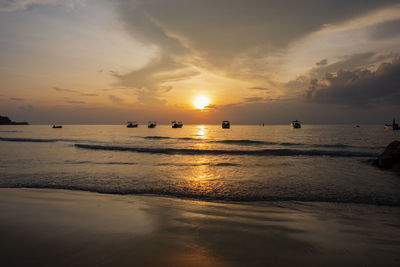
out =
column 47, row 227
column 199, row 133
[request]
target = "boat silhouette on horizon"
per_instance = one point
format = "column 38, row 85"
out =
column 393, row 126
column 226, row 124
column 295, row 124
column 151, row 124
column 132, row 124
column 177, row 124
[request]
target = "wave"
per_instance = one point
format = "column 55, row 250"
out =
column 262, row 152
column 35, row 140
column 247, row 142
column 329, row 198
column 256, row 142
column 156, row 137
column 243, row 142
column 40, row 140
column 99, row 163
column 318, row 145
column 221, row 164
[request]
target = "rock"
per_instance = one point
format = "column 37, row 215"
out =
column 6, row 121
column 390, row 158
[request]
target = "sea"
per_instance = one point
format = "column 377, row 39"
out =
column 317, row 163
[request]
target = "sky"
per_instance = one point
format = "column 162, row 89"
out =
column 257, row 61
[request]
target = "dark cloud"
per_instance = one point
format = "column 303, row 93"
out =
column 115, row 99
column 16, row 99
column 211, row 25
column 359, row 87
column 212, row 34
column 389, row 29
column 323, row 62
column 348, row 62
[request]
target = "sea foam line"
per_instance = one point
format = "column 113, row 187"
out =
column 262, row 152
column 35, row 140
column 248, row 142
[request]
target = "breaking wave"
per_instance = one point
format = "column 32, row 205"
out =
column 221, row 164
column 99, row 163
column 247, row 142
column 244, row 142
column 35, row 140
column 261, row 152
column 208, row 196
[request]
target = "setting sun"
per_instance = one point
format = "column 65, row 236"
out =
column 201, row 102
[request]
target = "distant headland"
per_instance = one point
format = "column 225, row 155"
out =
column 6, row 121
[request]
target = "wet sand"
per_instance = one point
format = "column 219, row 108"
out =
column 41, row 227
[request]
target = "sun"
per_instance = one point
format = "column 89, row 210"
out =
column 201, row 102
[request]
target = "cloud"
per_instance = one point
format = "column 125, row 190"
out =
column 73, row 91
column 299, row 83
column 349, row 62
column 385, row 30
column 343, row 39
column 361, row 87
column 259, row 88
column 16, row 99
column 247, row 41
column 88, row 94
column 64, row 90
column 115, row 99
column 16, row 5
column 252, row 99
column 76, row 102
column 323, row 62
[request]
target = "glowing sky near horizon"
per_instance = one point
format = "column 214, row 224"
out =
column 86, row 61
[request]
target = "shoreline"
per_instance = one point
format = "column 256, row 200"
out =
column 261, row 201
column 47, row 227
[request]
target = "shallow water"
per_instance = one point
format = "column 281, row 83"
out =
column 244, row 163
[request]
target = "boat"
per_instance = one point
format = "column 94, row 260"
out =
column 295, row 124
column 176, row 124
column 226, row 124
column 393, row 126
column 57, row 126
column 151, row 124
column 132, row 124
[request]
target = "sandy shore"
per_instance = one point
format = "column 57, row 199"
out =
column 70, row 228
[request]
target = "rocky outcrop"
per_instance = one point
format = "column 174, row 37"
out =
column 390, row 158
column 7, row 121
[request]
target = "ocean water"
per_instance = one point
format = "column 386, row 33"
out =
column 323, row 163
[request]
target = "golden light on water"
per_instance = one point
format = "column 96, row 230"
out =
column 201, row 102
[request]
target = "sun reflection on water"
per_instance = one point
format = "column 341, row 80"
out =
column 201, row 131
